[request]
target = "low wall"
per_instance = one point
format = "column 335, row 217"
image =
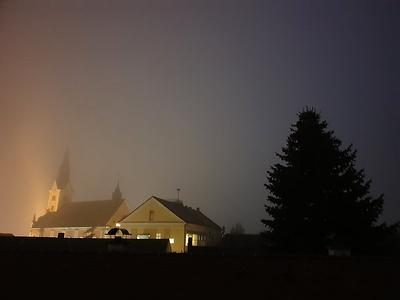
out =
column 72, row 245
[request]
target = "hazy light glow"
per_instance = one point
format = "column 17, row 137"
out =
column 191, row 94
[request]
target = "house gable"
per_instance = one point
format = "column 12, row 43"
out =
column 152, row 211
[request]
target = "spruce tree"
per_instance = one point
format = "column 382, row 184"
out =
column 317, row 198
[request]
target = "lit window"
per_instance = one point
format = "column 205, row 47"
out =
column 158, row 236
column 194, row 237
column 171, row 240
column 143, row 236
column 187, row 239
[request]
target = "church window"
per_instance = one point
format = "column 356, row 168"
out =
column 151, row 215
column 53, row 198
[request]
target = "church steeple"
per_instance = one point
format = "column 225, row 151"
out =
column 63, row 171
column 117, row 195
column 61, row 190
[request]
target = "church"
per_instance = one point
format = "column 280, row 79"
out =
column 73, row 219
column 155, row 218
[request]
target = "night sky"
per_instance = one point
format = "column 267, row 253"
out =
column 192, row 94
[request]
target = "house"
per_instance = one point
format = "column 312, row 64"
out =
column 72, row 219
column 158, row 218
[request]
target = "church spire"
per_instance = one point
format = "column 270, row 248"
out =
column 61, row 190
column 117, row 195
column 63, row 171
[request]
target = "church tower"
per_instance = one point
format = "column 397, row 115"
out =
column 61, row 190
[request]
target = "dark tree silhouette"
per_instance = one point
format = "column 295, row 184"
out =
column 317, row 198
column 237, row 229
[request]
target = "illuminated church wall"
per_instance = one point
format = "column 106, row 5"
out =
column 69, row 232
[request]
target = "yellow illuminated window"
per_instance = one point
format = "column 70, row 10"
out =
column 171, row 240
column 143, row 236
column 195, row 239
column 158, row 236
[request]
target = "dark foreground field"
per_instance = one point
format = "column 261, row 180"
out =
column 199, row 276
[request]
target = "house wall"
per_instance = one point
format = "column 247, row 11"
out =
column 175, row 231
column 179, row 232
column 206, row 236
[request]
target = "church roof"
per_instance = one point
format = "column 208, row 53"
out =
column 80, row 214
column 188, row 214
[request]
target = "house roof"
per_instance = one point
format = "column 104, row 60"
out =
column 80, row 214
column 187, row 214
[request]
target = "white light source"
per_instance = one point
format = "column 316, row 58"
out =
column 143, row 236
column 171, row 241
column 118, row 225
